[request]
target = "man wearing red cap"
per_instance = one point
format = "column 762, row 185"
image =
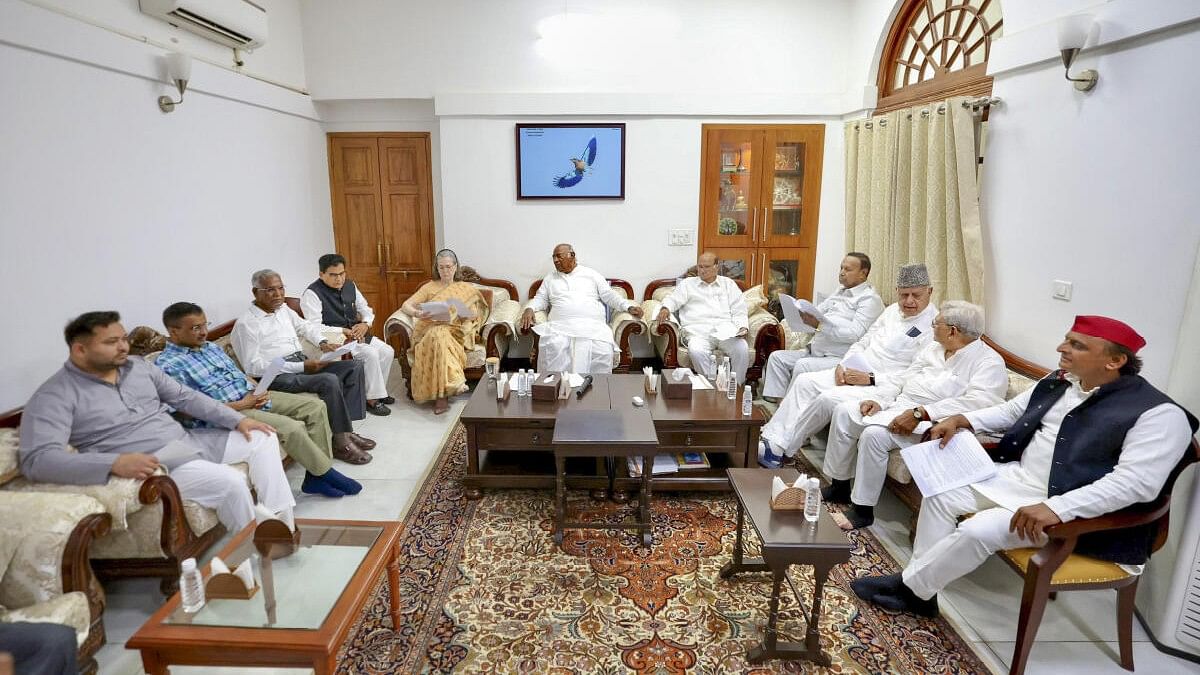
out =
column 1090, row 438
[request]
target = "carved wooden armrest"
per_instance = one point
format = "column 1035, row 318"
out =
column 1139, row 514
column 501, row 327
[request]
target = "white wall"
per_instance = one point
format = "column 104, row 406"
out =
column 111, row 204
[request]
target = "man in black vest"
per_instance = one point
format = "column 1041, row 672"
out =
column 1090, row 438
column 334, row 301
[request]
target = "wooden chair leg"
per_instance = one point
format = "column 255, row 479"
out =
column 1125, row 597
column 1033, row 606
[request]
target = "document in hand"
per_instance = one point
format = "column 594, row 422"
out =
column 438, row 311
column 857, row 362
column 337, row 353
column 274, row 368
column 936, row 470
column 791, row 313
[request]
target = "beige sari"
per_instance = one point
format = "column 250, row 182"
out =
column 440, row 349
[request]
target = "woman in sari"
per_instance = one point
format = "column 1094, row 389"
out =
column 440, row 347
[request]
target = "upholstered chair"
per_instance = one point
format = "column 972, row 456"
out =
column 623, row 324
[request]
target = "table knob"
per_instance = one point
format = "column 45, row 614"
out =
column 688, row 441
column 537, row 438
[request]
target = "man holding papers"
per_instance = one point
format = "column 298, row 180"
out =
column 269, row 329
column 884, row 352
column 956, row 373
column 577, row 337
column 837, row 323
column 301, row 421
column 712, row 314
column 1089, row 439
column 336, row 304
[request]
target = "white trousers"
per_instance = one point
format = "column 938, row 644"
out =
column 807, row 408
column 859, row 452
column 559, row 353
column 222, row 487
column 377, row 357
column 945, row 549
column 784, row 365
column 700, row 349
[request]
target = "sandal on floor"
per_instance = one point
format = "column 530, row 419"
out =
column 440, row 406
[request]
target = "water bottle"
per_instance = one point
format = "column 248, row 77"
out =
column 747, row 403
column 730, row 383
column 812, row 500
column 191, row 587
column 521, row 382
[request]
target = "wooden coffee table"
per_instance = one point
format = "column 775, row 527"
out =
column 787, row 539
column 509, row 442
column 319, row 592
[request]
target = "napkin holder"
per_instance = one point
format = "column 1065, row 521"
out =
column 790, row 499
column 274, row 540
column 671, row 388
column 227, row 586
column 545, row 387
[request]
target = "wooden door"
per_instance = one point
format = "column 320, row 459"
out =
column 407, row 214
column 731, row 187
column 357, row 217
column 791, row 186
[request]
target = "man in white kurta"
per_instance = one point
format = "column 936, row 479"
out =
column 848, row 313
column 712, row 315
column 889, row 346
column 1014, row 508
column 577, row 337
column 956, row 373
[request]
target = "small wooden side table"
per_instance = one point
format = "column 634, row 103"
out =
column 787, row 539
column 604, row 433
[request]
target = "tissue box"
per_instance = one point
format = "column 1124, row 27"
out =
column 672, row 389
column 545, row 387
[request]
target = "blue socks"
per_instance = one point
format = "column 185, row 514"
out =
column 316, row 485
column 341, row 481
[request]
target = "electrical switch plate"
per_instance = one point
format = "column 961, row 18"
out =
column 679, row 238
column 1062, row 290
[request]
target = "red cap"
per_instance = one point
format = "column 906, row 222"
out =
column 1109, row 329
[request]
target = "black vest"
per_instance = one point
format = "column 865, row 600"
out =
column 1088, row 447
column 337, row 306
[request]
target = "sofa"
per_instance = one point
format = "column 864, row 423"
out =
column 765, row 335
column 493, row 338
column 624, row 326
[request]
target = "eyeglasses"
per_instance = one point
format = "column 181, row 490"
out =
column 200, row 328
column 271, row 289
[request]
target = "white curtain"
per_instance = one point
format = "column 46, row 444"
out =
column 912, row 195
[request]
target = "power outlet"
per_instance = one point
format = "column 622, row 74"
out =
column 679, row 238
column 1062, row 290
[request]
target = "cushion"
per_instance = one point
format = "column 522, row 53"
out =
column 1076, row 569
column 1017, row 384
column 488, row 296
column 70, row 609
column 9, row 445
column 43, row 524
column 756, row 301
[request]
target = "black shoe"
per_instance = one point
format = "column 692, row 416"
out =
column 388, row 400
column 859, row 516
column 378, row 408
column 867, row 588
column 837, row 492
column 904, row 600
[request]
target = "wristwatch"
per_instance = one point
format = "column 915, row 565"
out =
column 872, row 376
column 918, row 413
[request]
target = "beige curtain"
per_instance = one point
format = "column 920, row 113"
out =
column 912, row 195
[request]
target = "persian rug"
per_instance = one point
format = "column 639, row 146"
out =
column 485, row 590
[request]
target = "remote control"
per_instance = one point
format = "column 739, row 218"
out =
column 637, row 401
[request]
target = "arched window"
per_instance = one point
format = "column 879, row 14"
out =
column 937, row 49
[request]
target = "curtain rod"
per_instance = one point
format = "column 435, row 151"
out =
column 975, row 105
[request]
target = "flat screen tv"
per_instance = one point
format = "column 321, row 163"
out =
column 570, row 161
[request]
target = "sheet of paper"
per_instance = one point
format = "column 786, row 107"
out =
column 663, row 464
column 725, row 330
column 218, row 566
column 700, row 382
column 438, row 311
column 176, row 454
column 461, row 309
column 857, row 362
column 337, row 353
column 245, row 573
column 791, row 314
column 574, row 380
column 809, row 308
column 963, row 461
column 274, row 368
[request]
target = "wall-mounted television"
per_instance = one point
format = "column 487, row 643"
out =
column 570, row 161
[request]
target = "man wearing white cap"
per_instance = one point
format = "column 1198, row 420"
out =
column 889, row 346
column 1090, row 438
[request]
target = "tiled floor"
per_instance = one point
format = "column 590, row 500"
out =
column 1077, row 635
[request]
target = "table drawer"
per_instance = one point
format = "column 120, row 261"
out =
column 516, row 437
column 698, row 439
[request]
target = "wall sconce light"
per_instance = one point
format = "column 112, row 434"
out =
column 1073, row 33
column 179, row 70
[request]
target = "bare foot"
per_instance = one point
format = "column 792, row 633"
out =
column 440, row 406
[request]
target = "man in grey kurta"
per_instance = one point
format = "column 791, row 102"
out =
column 116, row 412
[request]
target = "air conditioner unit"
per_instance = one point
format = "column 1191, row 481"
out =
column 234, row 23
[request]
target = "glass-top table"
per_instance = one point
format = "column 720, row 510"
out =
column 301, row 613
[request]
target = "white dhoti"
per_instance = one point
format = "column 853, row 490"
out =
column 377, row 357
column 565, row 353
column 861, row 451
column 807, row 408
column 222, row 487
column 701, row 343
column 784, row 365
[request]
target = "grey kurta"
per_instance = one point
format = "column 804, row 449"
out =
column 104, row 420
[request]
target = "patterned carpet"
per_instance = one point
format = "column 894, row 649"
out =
column 484, row 590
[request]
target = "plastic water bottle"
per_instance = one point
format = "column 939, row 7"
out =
column 812, row 500
column 747, row 403
column 191, row 587
column 730, row 383
column 521, row 382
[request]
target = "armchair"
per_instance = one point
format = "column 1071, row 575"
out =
column 765, row 336
column 623, row 326
column 494, row 335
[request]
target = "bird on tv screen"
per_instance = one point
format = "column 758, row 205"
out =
column 571, row 161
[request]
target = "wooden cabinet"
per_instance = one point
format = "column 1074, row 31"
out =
column 382, row 198
column 760, row 198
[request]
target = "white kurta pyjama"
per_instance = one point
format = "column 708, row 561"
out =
column 890, row 345
column 944, row 550
column 704, row 310
column 848, row 314
column 974, row 377
column 377, row 355
column 577, row 337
